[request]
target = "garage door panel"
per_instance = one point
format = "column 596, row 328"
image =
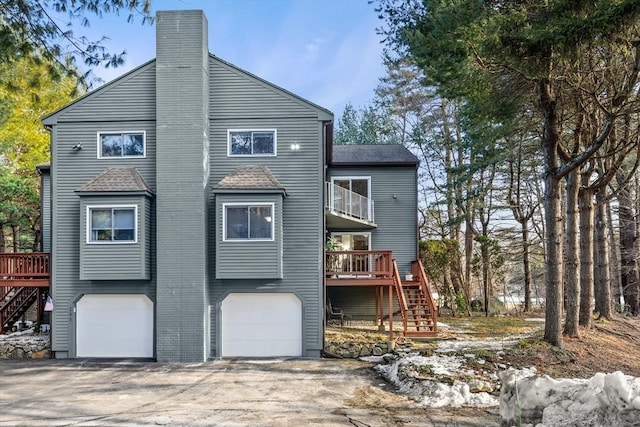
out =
column 114, row 326
column 261, row 325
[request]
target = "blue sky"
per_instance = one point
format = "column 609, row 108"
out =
column 326, row 51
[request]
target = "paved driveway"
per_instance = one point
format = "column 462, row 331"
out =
column 218, row 393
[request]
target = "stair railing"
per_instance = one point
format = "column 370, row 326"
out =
column 402, row 301
column 418, row 270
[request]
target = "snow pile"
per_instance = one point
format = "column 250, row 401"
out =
column 604, row 400
column 421, row 378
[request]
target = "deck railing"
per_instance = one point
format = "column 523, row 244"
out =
column 346, row 202
column 25, row 268
column 359, row 264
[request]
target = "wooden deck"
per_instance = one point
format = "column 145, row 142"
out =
column 359, row 268
column 379, row 269
column 25, row 269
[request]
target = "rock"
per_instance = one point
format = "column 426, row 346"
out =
column 40, row 354
column 478, row 386
column 377, row 351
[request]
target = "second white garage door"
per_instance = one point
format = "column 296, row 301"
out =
column 261, row 325
column 117, row 325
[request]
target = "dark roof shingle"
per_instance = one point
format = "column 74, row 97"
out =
column 115, row 180
column 381, row 155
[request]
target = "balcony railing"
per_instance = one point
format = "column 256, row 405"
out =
column 359, row 264
column 342, row 201
column 24, row 269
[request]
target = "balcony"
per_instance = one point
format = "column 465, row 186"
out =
column 346, row 209
column 352, row 268
column 24, row 269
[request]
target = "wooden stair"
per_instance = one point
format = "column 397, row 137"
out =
column 417, row 307
column 14, row 303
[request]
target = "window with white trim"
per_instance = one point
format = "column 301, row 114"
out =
column 251, row 142
column 107, row 224
column 248, row 221
column 121, row 144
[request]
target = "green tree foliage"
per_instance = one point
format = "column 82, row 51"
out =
column 368, row 125
column 31, row 28
column 19, row 210
column 24, row 142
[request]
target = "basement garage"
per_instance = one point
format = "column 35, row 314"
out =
column 261, row 325
column 114, row 325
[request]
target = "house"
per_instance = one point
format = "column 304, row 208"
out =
column 190, row 203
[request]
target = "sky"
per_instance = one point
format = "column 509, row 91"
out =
column 326, row 51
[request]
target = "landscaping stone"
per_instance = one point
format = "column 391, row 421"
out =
column 24, row 345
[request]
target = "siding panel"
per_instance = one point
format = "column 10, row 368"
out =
column 132, row 97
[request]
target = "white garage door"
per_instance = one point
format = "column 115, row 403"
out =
column 261, row 325
column 114, row 326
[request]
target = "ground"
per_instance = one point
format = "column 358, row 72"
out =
column 609, row 346
column 470, row 352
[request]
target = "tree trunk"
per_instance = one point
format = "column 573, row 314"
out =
column 614, row 263
column 602, row 286
column 585, row 202
column 526, row 262
column 572, row 264
column 553, row 216
column 2, row 244
column 628, row 252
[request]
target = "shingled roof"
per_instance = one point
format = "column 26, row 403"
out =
column 250, row 178
column 116, row 180
column 380, row 155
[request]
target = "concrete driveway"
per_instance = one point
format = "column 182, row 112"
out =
column 217, row 393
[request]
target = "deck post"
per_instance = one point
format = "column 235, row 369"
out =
column 390, row 315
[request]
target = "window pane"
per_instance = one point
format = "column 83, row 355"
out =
column 360, row 186
column 123, row 218
column 263, row 143
column 111, row 145
column 98, row 235
column 237, row 222
column 133, row 145
column 100, row 219
column 241, row 143
column 260, row 220
column 124, row 234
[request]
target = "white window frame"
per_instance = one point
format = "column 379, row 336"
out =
column 248, row 205
column 351, row 178
column 136, row 132
column 275, row 142
column 111, row 242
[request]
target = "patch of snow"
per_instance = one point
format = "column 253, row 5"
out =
column 605, row 399
column 452, row 346
column 406, row 374
column 373, row 359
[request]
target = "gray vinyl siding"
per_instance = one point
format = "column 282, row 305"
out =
column 71, row 169
column 236, row 95
column 45, row 206
column 249, row 259
column 116, row 261
column 397, row 227
column 239, row 101
column 131, row 98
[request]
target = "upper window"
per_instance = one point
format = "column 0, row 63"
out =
column 252, row 142
column 248, row 222
column 111, row 224
column 124, row 144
